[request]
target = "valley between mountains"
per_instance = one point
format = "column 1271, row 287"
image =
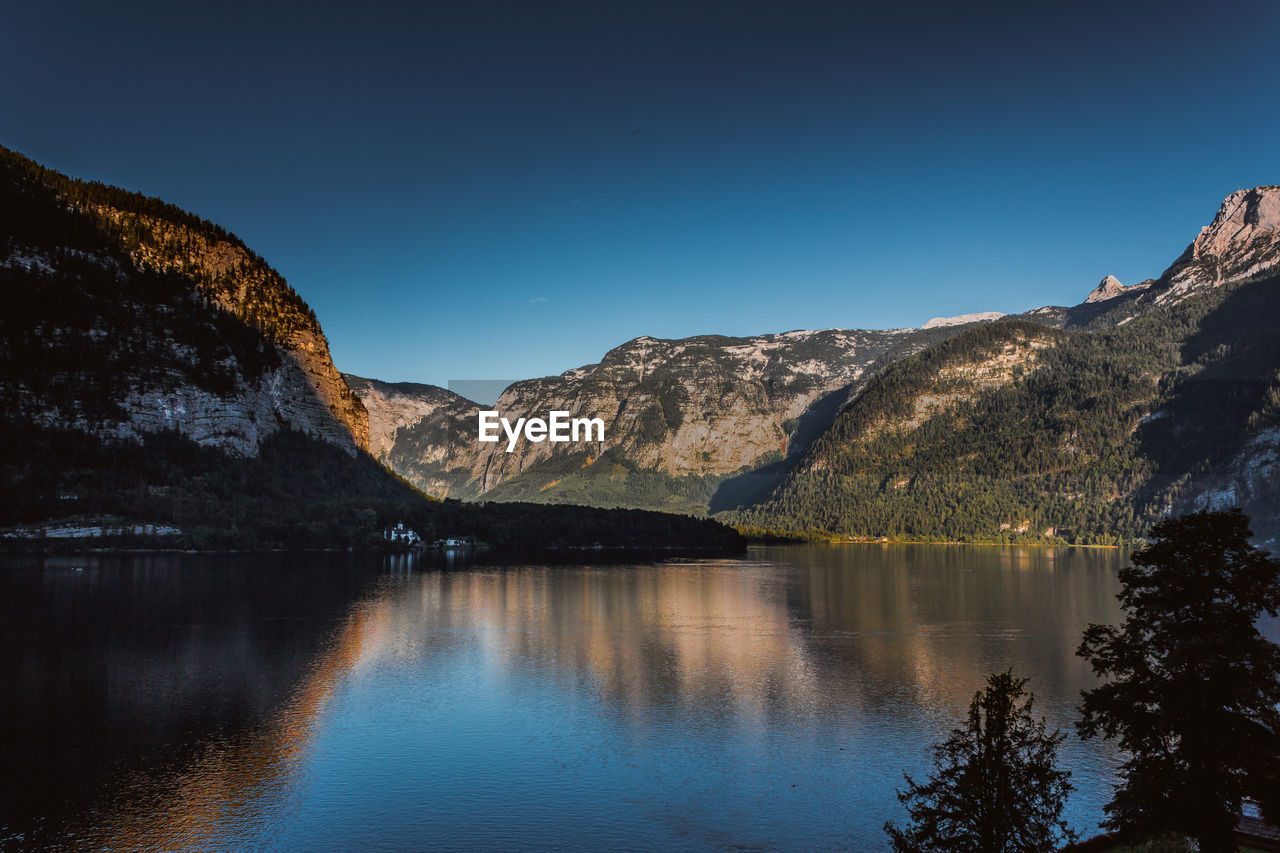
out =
column 155, row 370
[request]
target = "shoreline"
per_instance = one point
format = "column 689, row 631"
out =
column 427, row 554
column 979, row 544
column 842, row 542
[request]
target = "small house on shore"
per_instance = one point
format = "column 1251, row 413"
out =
column 402, row 535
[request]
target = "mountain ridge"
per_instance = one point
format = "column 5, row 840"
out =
column 132, row 321
column 1242, row 241
column 1160, row 398
column 708, row 408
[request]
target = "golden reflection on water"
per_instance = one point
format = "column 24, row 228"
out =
column 647, row 639
column 947, row 616
column 235, row 787
column 835, row 634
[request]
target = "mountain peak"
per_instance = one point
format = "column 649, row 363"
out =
column 1242, row 240
column 1243, row 216
column 1109, row 288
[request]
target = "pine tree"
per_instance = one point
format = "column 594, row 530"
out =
column 1193, row 685
column 996, row 786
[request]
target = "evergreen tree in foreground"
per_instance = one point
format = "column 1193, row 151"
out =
column 996, row 786
column 1193, row 686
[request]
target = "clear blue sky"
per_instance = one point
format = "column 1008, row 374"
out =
column 508, row 189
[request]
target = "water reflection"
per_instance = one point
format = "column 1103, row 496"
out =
column 236, row 788
column 122, row 673
column 768, row 703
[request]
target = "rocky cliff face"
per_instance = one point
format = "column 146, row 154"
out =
column 422, row 432
column 1243, row 240
column 305, row 391
column 203, row 336
column 238, row 420
column 705, row 407
column 1250, row 479
column 393, row 406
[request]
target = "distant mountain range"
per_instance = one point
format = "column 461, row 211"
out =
column 155, row 369
column 685, row 418
column 822, row 431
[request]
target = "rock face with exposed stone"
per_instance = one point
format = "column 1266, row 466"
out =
column 170, row 320
column 708, row 406
column 1243, row 240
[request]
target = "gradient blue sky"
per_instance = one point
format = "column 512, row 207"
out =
column 509, row 189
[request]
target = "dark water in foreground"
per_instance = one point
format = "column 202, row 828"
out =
column 311, row 702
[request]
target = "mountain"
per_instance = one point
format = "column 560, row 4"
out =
column 1083, row 423
column 1243, row 240
column 415, row 430
column 127, row 316
column 1110, row 287
column 692, row 424
column 158, row 377
column 1086, row 427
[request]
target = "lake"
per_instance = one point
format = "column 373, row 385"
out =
column 334, row 702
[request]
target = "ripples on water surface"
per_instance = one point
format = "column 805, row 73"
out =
column 309, row 702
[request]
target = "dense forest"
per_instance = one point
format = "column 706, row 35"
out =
column 96, row 223
column 1090, row 440
column 83, row 326
column 609, row 480
column 298, row 492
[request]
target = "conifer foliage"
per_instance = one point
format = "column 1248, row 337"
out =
column 996, row 786
column 1193, row 687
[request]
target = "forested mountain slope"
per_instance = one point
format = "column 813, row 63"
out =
column 1015, row 430
column 125, row 316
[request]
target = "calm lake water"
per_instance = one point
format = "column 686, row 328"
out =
column 304, row 702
